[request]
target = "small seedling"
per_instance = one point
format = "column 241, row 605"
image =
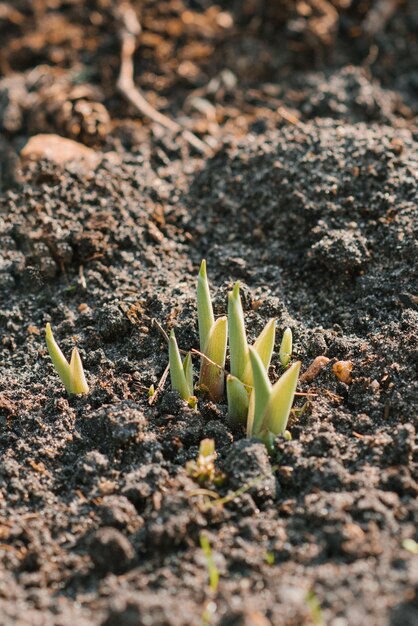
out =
column 213, row 340
column 314, row 606
column 203, row 470
column 269, row 558
column 181, row 372
column 272, row 404
column 72, row 373
column 213, row 572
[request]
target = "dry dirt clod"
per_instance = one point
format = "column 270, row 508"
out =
column 314, row 369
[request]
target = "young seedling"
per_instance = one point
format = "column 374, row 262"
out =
column 272, row 404
column 240, row 381
column 285, row 351
column 72, row 373
column 181, row 372
column 213, row 572
column 204, row 470
column 213, row 340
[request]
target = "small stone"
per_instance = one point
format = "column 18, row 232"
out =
column 245, row 618
column 118, row 512
column 111, row 551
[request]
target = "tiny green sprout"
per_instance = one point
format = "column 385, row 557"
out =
column 213, row 340
column 213, row 572
column 72, row 373
column 272, row 403
column 181, row 373
column 314, row 606
column 285, row 351
column 151, row 391
column 203, row 470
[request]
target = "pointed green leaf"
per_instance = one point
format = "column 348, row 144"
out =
column 262, row 389
column 238, row 346
column 204, row 307
column 78, row 380
column 178, row 378
column 59, row 361
column 276, row 413
column 238, row 399
column 286, row 347
column 263, row 345
column 211, row 377
column 188, row 372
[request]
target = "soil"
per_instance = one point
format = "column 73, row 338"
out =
column 309, row 198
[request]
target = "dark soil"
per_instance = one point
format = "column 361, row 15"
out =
column 309, row 198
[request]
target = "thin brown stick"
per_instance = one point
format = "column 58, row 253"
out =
column 161, row 330
column 193, row 350
column 160, row 386
column 206, row 358
column 129, row 31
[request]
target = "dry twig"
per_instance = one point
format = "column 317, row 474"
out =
column 160, row 386
column 129, row 31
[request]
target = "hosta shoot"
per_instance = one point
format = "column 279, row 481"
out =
column 213, row 340
column 272, row 403
column 72, row 373
column 181, row 372
column 238, row 346
column 240, row 381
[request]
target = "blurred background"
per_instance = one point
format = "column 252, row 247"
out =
column 218, row 68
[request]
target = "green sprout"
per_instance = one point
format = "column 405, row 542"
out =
column 72, row 373
column 204, row 470
column 181, row 372
column 213, row 572
column 237, row 336
column 239, row 382
column 213, row 340
column 285, row 351
column 272, row 403
column 314, row 606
